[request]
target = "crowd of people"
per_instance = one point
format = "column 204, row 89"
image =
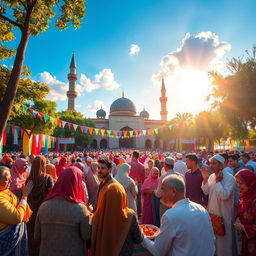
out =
column 92, row 203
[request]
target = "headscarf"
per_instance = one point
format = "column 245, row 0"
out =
column 51, row 170
column 246, row 198
column 150, row 183
column 6, row 159
column 80, row 166
column 92, row 176
column 39, row 177
column 18, row 173
column 122, row 175
column 121, row 161
column 61, row 166
column 111, row 221
column 69, row 186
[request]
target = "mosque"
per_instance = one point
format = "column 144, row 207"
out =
column 122, row 117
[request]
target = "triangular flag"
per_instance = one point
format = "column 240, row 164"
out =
column 138, row 133
column 69, row 124
column 75, row 126
column 170, row 127
column 125, row 133
column 90, row 130
column 85, row 129
column 96, row 130
column 115, row 132
column 46, row 118
column 144, row 132
column 35, row 113
column 63, row 123
column 40, row 115
column 25, row 108
column 81, row 128
column 156, row 130
column 120, row 133
column 102, row 131
column 109, row 132
column 131, row 133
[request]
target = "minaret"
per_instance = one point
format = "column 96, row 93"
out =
column 163, row 100
column 72, row 77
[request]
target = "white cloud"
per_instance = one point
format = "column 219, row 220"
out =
column 96, row 105
column 105, row 79
column 202, row 52
column 134, row 50
column 58, row 89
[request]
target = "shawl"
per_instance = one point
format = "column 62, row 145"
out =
column 18, row 173
column 39, row 177
column 111, row 222
column 150, row 183
column 51, row 170
column 246, row 198
column 92, row 179
column 69, row 186
column 61, row 166
column 122, row 175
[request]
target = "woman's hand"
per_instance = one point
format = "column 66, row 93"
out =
column 238, row 225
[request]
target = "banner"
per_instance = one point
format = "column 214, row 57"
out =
column 66, row 140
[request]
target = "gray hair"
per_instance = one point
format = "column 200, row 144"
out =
column 176, row 181
column 3, row 169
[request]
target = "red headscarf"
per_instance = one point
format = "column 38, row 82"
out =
column 61, row 166
column 150, row 183
column 69, row 186
column 246, row 198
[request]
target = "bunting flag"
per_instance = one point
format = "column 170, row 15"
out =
column 46, row 118
column 69, row 124
column 39, row 148
column 90, row 130
column 81, row 128
column 102, row 131
column 131, row 133
column 144, row 132
column 96, row 131
column 109, row 132
column 115, row 132
column 120, row 133
column 75, row 126
column 63, row 124
column 26, row 143
column 40, row 115
column 156, row 131
column 247, row 145
column 85, row 129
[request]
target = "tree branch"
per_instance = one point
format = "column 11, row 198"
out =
column 11, row 21
column 23, row 4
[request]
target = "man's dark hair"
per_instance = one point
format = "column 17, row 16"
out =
column 192, row 157
column 233, row 157
column 169, row 166
column 79, row 160
column 22, row 156
column 136, row 154
column 106, row 162
column 73, row 160
column 224, row 155
column 246, row 155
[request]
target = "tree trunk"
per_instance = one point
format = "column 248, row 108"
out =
column 12, row 86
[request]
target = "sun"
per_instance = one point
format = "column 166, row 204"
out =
column 194, row 86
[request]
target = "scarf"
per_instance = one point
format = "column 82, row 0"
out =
column 150, row 183
column 18, row 173
column 122, row 175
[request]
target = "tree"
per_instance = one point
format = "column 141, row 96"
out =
column 31, row 17
column 74, row 117
column 234, row 95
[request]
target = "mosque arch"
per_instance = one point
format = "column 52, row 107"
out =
column 103, row 144
column 157, row 144
column 148, row 143
column 126, row 142
column 94, row 144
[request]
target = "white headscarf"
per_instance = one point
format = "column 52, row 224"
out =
column 122, row 175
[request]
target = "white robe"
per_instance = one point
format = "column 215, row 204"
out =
column 221, row 203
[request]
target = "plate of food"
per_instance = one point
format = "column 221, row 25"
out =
column 149, row 230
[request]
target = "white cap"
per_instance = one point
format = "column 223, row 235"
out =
column 55, row 161
column 219, row 158
column 179, row 155
column 88, row 159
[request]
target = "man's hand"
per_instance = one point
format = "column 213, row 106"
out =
column 219, row 176
column 205, row 175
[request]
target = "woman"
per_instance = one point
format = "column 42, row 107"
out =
column 62, row 222
column 19, row 176
column 150, row 165
column 51, row 170
column 246, row 211
column 92, row 182
column 13, row 214
column 43, row 184
column 129, row 185
column 63, row 163
column 115, row 227
column 147, row 192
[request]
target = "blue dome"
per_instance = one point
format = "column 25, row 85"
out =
column 123, row 105
column 101, row 113
column 144, row 113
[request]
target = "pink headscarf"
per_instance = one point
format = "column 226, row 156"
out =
column 61, row 166
column 69, row 186
column 18, row 174
column 150, row 183
column 246, row 198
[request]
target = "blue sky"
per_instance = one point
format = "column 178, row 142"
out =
column 157, row 27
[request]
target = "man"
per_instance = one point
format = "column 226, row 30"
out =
column 186, row 228
column 168, row 167
column 234, row 164
column 179, row 165
column 193, row 180
column 226, row 167
column 104, row 173
column 249, row 164
column 138, row 174
column 220, row 186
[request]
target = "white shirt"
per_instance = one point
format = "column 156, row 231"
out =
column 221, row 203
column 180, row 167
column 229, row 170
column 185, row 230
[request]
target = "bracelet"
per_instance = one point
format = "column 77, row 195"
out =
column 22, row 201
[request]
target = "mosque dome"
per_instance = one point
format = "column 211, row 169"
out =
column 123, row 106
column 101, row 113
column 144, row 114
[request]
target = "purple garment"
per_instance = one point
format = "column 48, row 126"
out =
column 193, row 187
